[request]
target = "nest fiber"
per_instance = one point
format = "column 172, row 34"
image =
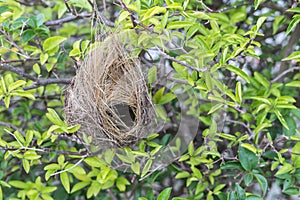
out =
column 108, row 97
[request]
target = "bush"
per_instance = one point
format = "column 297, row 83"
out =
column 222, row 76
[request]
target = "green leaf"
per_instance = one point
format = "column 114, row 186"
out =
column 79, row 186
column 293, row 56
column 15, row 85
column 153, row 11
column 26, row 165
column 167, row 98
column 247, row 158
column 296, row 10
column 28, row 35
column 179, row 24
column 215, row 108
column 123, row 16
column 294, row 83
column 146, row 168
column 291, row 191
column 64, row 178
column 54, row 118
column 165, row 194
column 52, row 42
column 241, row 194
column 287, row 167
column 19, row 184
column 281, row 119
column 121, row 183
column 262, row 80
column 36, row 68
column 183, row 174
column 248, row 179
column 260, row 21
column 257, row 3
column 43, row 58
column 293, row 24
column 291, row 123
column 136, row 168
column 238, row 92
column 152, row 75
column 238, row 72
column 262, row 182
column 94, row 162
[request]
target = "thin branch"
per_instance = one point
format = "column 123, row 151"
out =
column 182, row 63
column 44, row 82
column 37, row 82
column 11, row 41
column 12, row 127
column 242, row 124
column 68, row 169
column 281, row 75
column 19, row 60
column 67, row 19
column 17, row 71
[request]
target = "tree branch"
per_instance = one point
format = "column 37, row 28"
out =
column 67, row 19
column 281, row 75
column 37, row 82
column 12, row 127
column 182, row 63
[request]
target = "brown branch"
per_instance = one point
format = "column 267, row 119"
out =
column 17, row 71
column 11, row 41
column 37, row 82
column 19, row 60
column 66, row 19
column 44, row 82
column 281, row 75
column 12, row 127
column 182, row 63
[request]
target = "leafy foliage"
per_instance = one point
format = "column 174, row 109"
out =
column 241, row 58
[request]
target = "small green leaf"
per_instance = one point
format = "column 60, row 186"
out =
column 123, row 16
column 248, row 179
column 153, row 11
column 15, row 85
column 43, row 58
column 262, row 80
column 215, row 108
column 238, row 72
column 238, row 92
column 36, row 68
column 54, row 118
column 52, row 42
column 64, row 178
column 28, row 35
column 241, row 194
column 257, row 3
column 146, row 168
column 262, row 182
column 165, row 194
column 247, row 158
column 293, row 24
column 293, row 56
column 294, row 83
column 26, row 165
column 79, row 186
column 179, row 24
column 152, row 74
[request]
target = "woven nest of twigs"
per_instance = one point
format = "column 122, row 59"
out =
column 108, row 97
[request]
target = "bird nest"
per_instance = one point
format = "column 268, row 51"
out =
column 108, row 97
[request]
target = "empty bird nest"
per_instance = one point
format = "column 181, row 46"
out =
column 108, row 97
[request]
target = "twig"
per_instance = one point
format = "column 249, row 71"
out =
column 44, row 82
column 37, row 82
column 182, row 63
column 11, row 41
column 12, row 127
column 17, row 71
column 111, row 194
column 19, row 60
column 68, row 169
column 284, row 73
column 67, row 19
column 243, row 124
